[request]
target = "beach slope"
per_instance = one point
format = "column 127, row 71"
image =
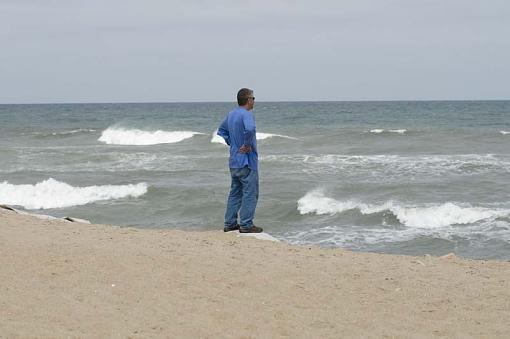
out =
column 64, row 279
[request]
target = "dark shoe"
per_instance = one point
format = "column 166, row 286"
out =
column 253, row 229
column 231, row 228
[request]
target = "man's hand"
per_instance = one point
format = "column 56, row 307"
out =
column 245, row 149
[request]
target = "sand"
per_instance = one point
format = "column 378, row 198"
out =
column 62, row 279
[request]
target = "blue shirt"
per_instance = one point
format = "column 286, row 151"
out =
column 238, row 129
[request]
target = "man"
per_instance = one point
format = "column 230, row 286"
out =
column 238, row 130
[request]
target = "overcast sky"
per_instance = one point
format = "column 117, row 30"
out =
column 165, row 51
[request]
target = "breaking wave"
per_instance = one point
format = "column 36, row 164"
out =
column 260, row 136
column 51, row 193
column 431, row 216
column 504, row 132
column 123, row 136
column 216, row 139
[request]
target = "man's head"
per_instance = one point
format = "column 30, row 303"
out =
column 245, row 98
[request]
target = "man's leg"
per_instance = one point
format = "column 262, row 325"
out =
column 250, row 186
column 234, row 198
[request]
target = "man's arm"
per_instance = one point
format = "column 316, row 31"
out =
column 223, row 130
column 249, row 132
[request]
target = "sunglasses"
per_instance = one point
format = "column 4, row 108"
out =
column 252, row 98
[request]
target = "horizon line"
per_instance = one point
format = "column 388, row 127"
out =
column 233, row 101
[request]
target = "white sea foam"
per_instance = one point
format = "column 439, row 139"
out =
column 432, row 216
column 504, row 132
column 260, row 136
column 361, row 238
column 379, row 131
column 351, row 237
column 123, row 136
column 55, row 194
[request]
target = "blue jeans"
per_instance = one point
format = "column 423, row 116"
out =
column 243, row 197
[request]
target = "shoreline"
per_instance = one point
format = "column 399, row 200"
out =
column 73, row 279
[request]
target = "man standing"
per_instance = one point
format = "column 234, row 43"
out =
column 238, row 130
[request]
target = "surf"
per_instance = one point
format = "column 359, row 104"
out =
column 52, row 193
column 425, row 216
column 137, row 137
column 216, row 139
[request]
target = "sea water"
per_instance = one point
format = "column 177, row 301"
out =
column 394, row 177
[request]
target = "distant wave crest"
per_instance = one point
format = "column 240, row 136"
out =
column 74, row 131
column 432, row 216
column 52, row 193
column 504, row 132
column 123, row 136
column 62, row 134
column 379, row 131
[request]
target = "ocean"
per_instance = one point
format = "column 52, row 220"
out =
column 390, row 177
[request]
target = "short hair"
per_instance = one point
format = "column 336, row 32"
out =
column 243, row 95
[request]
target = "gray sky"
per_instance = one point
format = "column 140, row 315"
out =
column 156, row 50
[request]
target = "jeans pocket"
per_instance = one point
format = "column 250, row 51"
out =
column 240, row 172
column 245, row 172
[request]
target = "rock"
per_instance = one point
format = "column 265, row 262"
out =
column 83, row 221
column 261, row 236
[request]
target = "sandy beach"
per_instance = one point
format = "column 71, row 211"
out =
column 62, row 279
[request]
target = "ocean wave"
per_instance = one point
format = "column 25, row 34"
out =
column 123, row 136
column 433, row 216
column 504, row 132
column 260, row 136
column 379, row 131
column 51, row 193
